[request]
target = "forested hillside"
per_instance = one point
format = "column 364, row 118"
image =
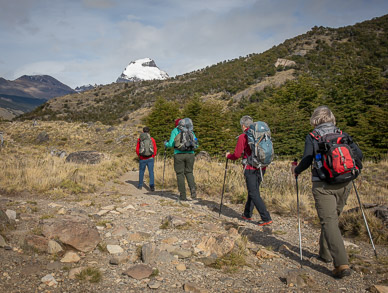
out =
column 343, row 68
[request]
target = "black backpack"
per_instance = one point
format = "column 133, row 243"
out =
column 184, row 141
column 334, row 158
column 146, row 148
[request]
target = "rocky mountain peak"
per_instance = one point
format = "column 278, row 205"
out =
column 142, row 69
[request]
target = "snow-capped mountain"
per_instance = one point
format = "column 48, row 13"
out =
column 142, row 69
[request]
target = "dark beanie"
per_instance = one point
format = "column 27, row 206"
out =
column 146, row 129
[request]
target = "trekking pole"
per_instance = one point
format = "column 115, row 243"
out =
column 164, row 166
column 223, row 187
column 299, row 231
column 363, row 215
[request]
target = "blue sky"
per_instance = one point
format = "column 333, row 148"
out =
column 91, row 41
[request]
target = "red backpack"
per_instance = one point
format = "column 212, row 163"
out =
column 335, row 160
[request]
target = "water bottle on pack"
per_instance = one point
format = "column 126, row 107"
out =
column 319, row 165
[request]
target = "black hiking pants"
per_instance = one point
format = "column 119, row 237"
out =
column 253, row 180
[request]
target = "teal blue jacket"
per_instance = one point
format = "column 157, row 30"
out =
column 170, row 143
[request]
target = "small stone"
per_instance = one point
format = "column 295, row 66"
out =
column 139, row 271
column 54, row 205
column 74, row 272
column 85, row 203
column 350, row 244
column 119, row 231
column 109, row 208
column 49, row 280
column 102, row 212
column 170, row 240
column 11, row 214
column 53, row 247
column 154, row 284
column 181, row 267
column 378, row 289
column 114, row 249
column 266, row 254
column 61, row 211
column 119, row 259
column 70, row 257
column 2, row 241
column 190, row 287
column 182, row 253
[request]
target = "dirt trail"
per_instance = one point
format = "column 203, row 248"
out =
column 140, row 224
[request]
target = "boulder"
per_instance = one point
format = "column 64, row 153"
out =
column 2, row 242
column 42, row 137
column 85, row 157
column 54, row 247
column 174, row 221
column 139, row 271
column 70, row 257
column 220, row 245
column 76, row 231
column 5, row 222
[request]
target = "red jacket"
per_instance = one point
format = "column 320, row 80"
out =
column 138, row 147
column 242, row 149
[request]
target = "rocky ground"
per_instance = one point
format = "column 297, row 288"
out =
column 121, row 239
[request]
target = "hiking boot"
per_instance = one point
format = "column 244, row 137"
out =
column 262, row 223
column 140, row 187
column 152, row 188
column 193, row 194
column 342, row 271
column 246, row 219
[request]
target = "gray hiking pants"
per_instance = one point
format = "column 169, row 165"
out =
column 329, row 202
column 183, row 166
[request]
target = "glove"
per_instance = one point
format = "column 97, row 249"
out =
column 165, row 144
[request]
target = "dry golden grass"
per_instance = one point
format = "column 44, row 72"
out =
column 279, row 186
column 28, row 165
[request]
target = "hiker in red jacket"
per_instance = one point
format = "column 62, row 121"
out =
column 146, row 151
column 252, row 177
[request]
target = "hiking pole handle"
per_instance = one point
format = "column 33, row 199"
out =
column 223, row 186
column 363, row 215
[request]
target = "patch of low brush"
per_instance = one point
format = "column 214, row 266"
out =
column 234, row 260
column 353, row 225
column 93, row 275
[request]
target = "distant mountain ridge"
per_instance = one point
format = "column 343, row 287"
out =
column 142, row 69
column 29, row 91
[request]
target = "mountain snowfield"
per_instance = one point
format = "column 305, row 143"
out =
column 142, row 69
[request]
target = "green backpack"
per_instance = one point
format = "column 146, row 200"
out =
column 146, row 146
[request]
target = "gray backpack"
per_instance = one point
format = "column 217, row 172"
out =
column 184, row 141
column 146, row 148
column 260, row 142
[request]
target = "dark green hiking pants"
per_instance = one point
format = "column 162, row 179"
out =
column 183, row 166
column 329, row 202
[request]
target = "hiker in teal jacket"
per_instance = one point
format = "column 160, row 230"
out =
column 183, row 164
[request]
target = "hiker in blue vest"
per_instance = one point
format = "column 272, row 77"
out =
column 253, row 176
column 184, row 141
column 146, row 151
column 330, row 199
